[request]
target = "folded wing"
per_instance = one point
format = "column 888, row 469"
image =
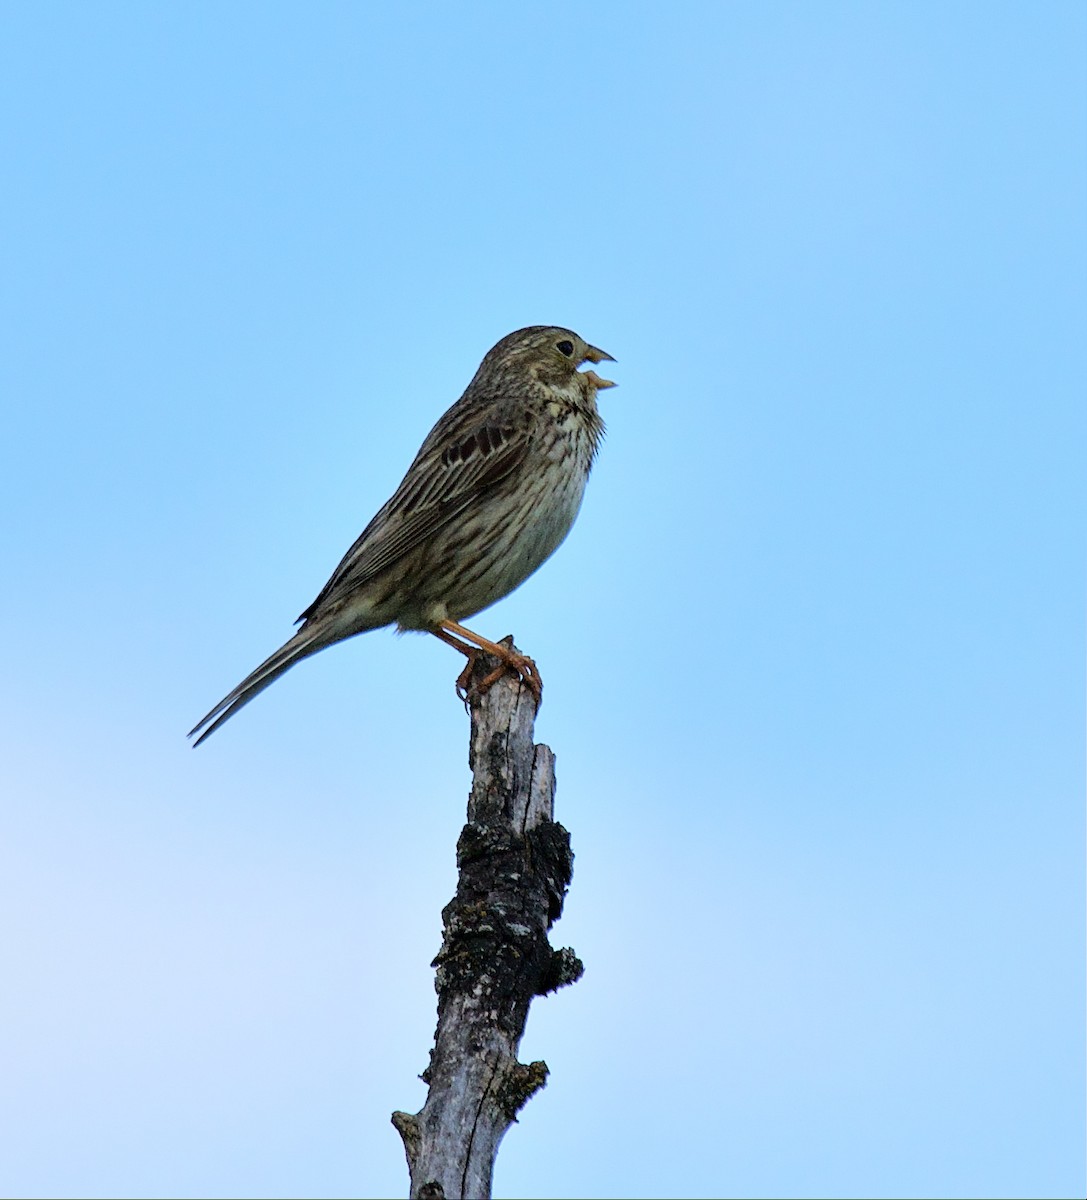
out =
column 462, row 460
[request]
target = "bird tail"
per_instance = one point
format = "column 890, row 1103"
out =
column 307, row 641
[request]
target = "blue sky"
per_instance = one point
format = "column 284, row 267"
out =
column 814, row 650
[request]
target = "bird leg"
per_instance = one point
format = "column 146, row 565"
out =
column 520, row 664
column 470, row 652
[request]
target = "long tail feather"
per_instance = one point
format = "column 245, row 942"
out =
column 305, row 642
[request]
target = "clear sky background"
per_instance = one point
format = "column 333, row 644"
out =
column 814, row 651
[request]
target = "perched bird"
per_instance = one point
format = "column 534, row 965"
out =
column 492, row 492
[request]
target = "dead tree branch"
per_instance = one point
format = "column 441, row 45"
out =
column 514, row 864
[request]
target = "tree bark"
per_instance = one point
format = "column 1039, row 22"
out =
column 514, row 865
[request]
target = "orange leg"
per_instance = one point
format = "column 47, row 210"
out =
column 520, row 664
column 470, row 652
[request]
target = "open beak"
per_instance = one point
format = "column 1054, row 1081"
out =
column 595, row 355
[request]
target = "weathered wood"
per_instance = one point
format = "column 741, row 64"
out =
column 514, row 864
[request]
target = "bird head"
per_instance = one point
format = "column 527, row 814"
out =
column 550, row 354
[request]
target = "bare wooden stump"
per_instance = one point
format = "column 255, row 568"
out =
column 515, row 865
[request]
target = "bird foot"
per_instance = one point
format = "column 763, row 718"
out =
column 511, row 663
column 471, row 645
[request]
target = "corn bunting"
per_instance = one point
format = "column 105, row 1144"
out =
column 492, row 492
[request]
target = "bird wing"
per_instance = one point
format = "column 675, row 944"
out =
column 462, row 459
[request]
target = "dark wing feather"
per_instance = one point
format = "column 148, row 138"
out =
column 462, row 459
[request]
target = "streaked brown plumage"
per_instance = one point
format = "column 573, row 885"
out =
column 492, row 492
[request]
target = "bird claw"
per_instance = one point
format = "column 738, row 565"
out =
column 464, row 679
column 511, row 663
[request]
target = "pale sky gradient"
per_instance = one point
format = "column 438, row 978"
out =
column 814, row 651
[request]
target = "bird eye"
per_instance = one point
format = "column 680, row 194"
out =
column 565, row 347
